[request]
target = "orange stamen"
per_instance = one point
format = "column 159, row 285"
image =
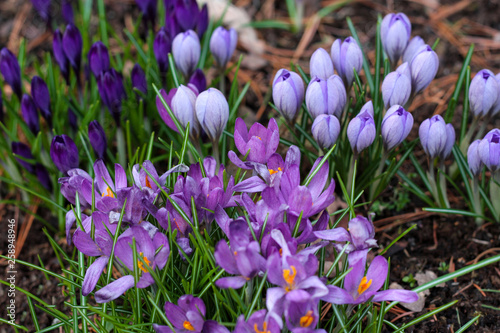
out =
column 141, row 265
column 264, row 328
column 307, row 320
column 108, row 193
column 188, row 326
column 364, row 285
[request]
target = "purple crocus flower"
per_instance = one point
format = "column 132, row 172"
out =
column 483, row 93
column 199, row 80
column 301, row 314
column 325, row 130
column 437, row 137
column 30, row 114
column 359, row 288
column 43, row 176
column 22, row 150
column 474, row 159
column 347, row 57
column 152, row 251
column 361, row 130
column 202, row 22
column 395, row 32
column 72, row 45
column 162, row 46
column 98, row 58
column 186, row 12
column 67, row 12
column 489, row 150
column 41, row 97
column 411, row 49
column 97, row 138
column 423, row 67
column 186, row 50
column 212, row 112
column 148, row 8
column 258, row 322
column 59, row 55
column 288, row 93
column 9, row 67
column 222, row 45
column 43, row 8
column 72, row 119
column 138, row 78
column 260, row 142
column 1, row 106
column 326, row 96
column 396, row 88
column 144, row 181
column 112, row 92
column 189, row 316
column 396, row 126
column 183, row 107
column 64, row 153
column 321, row 65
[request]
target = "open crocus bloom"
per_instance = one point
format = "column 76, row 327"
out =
column 359, row 288
column 258, row 322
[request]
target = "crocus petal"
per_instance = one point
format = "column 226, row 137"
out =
column 162, row 329
column 398, row 295
column 115, row 289
column 337, row 234
column 93, row 274
column 250, row 185
column 233, row 282
column 275, row 300
column 175, row 315
column 337, row 295
column 225, row 257
column 85, row 244
column 211, row 326
column 377, row 272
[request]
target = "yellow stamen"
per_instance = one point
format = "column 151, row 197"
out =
column 187, row 325
column 264, row 328
column 307, row 320
column 141, row 265
column 108, row 193
column 364, row 285
column 289, row 277
column 258, row 137
column 272, row 172
column 148, row 184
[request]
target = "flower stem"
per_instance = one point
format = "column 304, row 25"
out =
column 495, row 194
column 442, row 185
column 431, row 176
column 215, row 152
column 377, row 174
column 120, row 142
column 476, row 203
column 350, row 179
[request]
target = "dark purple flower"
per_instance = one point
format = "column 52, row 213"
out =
column 288, row 93
column 396, row 126
column 199, row 80
column 326, row 96
column 489, row 150
column 212, row 112
column 22, row 150
column 72, row 44
column 98, row 58
column 138, row 79
column 361, row 130
column 189, row 316
column 43, row 8
column 359, row 288
column 162, row 46
column 1, row 106
column 395, row 32
column 187, row 12
column 222, row 45
column 43, row 176
column 437, row 137
column 30, row 114
column 321, row 65
column 171, row 25
column 64, row 153
column 186, row 50
column 347, row 57
column 258, row 322
column 9, row 67
column 202, row 21
column 41, row 97
column 148, row 8
column 110, row 85
column 59, row 55
column 97, row 138
column 152, row 252
column 67, row 12
column 73, row 121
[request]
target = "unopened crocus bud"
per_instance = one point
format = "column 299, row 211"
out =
column 186, row 51
column 67, row 12
column 483, row 93
column 347, row 57
column 138, row 79
column 411, row 49
column 43, row 176
column 437, row 137
column 98, row 58
column 11, row 72
column 489, row 150
column 473, row 158
column 22, row 150
column 325, row 130
column 212, row 112
column 396, row 126
column 148, row 9
column 30, row 114
column 64, row 153
column 222, row 45
column 199, row 80
column 288, row 93
column 183, row 107
column 423, row 67
column 496, row 107
column 320, row 64
column 395, row 32
column 97, row 138
column 43, row 8
column 396, row 88
column 162, row 46
column 41, row 97
column 112, row 92
column 73, row 121
column 72, row 46
column 187, row 12
column 165, row 116
column 361, row 130
column 326, row 96
column 202, row 23
column 59, row 54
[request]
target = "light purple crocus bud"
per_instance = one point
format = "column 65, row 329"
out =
column 98, row 58
column 396, row 88
column 212, row 112
column 347, row 57
column 183, row 107
column 97, row 138
column 326, row 96
column 222, row 45
column 41, row 97
column 325, row 130
column 437, row 137
column 395, row 32
column 483, row 93
column 321, row 64
column 489, row 150
column 30, row 114
column 423, row 67
column 186, row 50
column 396, row 126
column 411, row 49
column 473, row 158
column 496, row 107
column 64, row 153
column 288, row 93
column 361, row 131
